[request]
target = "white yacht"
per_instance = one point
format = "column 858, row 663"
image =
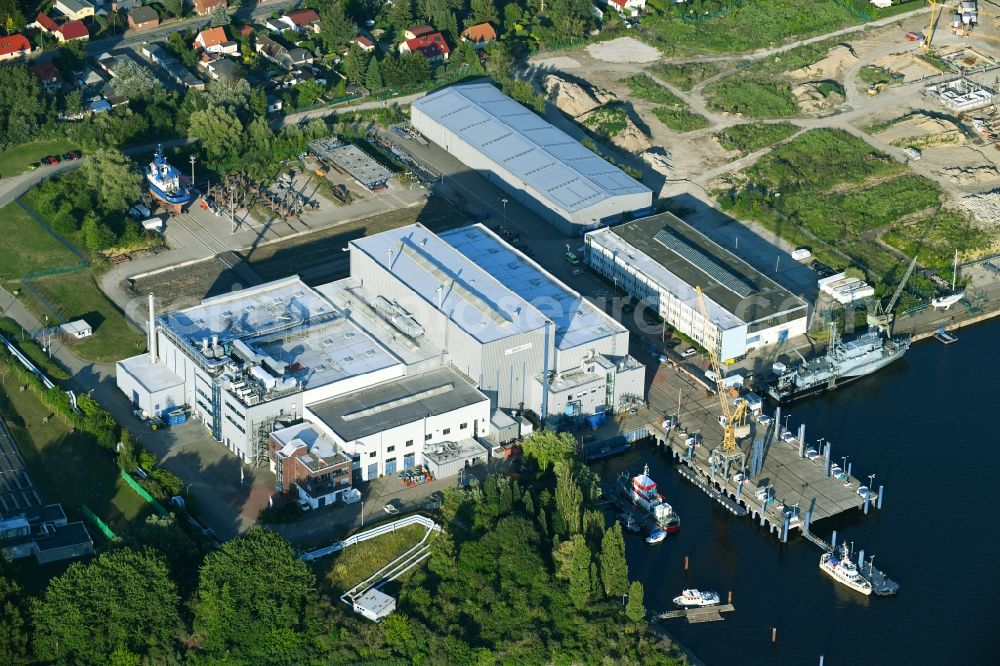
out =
column 946, row 301
column 696, row 599
column 843, row 570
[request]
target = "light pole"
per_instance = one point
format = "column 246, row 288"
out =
column 193, row 160
column 786, row 422
column 362, row 513
column 503, row 200
column 232, row 207
column 871, row 480
column 844, row 459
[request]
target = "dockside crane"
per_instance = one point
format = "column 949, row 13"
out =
column 735, row 426
column 881, row 318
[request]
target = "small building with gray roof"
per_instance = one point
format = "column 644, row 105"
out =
column 541, row 166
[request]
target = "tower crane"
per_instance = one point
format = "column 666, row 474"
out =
column 882, row 317
column 735, row 426
column 936, row 10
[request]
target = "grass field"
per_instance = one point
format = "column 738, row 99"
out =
column 832, row 192
column 680, row 120
column 608, row 121
column 64, row 466
column 752, row 96
column 35, row 248
column 356, row 563
column 749, row 26
column 644, row 87
column 685, row 76
column 15, row 160
column 750, row 137
column 77, row 296
column 13, row 332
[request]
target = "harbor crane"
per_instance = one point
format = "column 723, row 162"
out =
column 881, row 317
column 735, row 424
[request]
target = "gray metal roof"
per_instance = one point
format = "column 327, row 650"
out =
column 476, row 301
column 548, row 160
column 396, row 403
column 577, row 322
column 678, row 257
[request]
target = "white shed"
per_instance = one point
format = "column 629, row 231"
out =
column 77, row 329
column 375, row 605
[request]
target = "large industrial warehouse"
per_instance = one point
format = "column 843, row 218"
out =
column 539, row 165
column 404, row 363
column 661, row 259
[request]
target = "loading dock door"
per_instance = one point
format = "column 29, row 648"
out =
column 409, row 460
column 390, row 466
column 372, row 471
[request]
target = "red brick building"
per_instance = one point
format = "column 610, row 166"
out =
column 308, row 465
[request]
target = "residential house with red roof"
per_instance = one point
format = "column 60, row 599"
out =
column 302, row 20
column 631, row 7
column 432, row 46
column 215, row 40
column 45, row 23
column 47, row 73
column 418, row 31
column 480, row 35
column 205, row 7
column 366, row 44
column 14, row 46
column 72, row 30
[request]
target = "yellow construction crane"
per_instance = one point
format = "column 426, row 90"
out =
column 735, row 426
column 936, row 10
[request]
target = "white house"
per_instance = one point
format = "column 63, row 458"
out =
column 630, row 7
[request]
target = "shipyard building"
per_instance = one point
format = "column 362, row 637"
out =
column 661, row 259
column 409, row 362
column 539, row 165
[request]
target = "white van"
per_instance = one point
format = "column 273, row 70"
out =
column 712, row 377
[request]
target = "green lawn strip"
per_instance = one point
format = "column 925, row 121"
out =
column 355, row 563
column 77, row 296
column 28, row 247
column 685, row 76
column 680, row 120
column 644, row 87
column 13, row 332
column 66, row 466
column 751, row 137
column 15, row 160
column 752, row 96
column 748, row 26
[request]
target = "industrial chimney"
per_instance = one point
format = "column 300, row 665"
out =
column 151, row 331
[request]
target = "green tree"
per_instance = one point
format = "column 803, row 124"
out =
column 233, row 94
column 132, row 80
column 401, row 17
column 580, row 583
column 614, row 567
column 11, row 15
column 220, row 16
column 179, row 551
column 220, row 132
column 307, row 93
column 252, row 597
column 569, row 498
column 483, row 11
column 335, row 27
column 173, row 7
column 570, row 18
column 355, row 64
column 528, row 503
column 373, row 77
column 22, row 105
column 122, row 599
column 122, row 656
column 635, row 609
column 13, row 637
column 73, row 103
column 114, row 177
column 547, row 447
column 97, row 236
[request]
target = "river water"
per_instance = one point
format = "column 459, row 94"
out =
column 927, row 427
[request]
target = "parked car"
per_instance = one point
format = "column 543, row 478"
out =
column 812, row 454
column 801, row 254
column 577, row 272
column 34, row 165
column 304, row 505
column 71, row 155
column 52, row 159
column 690, row 351
column 788, row 436
column 392, row 507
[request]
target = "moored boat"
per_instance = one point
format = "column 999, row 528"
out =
column 696, row 599
column 842, row 569
column 642, row 492
column 656, row 536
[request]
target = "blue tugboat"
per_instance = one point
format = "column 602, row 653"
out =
column 165, row 184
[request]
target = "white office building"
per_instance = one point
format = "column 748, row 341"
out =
column 661, row 259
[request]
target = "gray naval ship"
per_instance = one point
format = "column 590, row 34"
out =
column 843, row 363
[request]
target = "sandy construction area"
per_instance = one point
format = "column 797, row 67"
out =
column 623, row 49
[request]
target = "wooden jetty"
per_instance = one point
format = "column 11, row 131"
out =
column 697, row 615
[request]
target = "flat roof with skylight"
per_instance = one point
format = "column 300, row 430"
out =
column 577, row 321
column 444, row 277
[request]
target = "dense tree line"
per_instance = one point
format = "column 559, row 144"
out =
column 507, row 581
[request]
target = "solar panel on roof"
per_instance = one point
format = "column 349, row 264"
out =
column 703, row 262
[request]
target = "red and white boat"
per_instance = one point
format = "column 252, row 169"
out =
column 641, row 490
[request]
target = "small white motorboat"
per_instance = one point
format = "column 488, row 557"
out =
column 656, row 536
column 696, row 599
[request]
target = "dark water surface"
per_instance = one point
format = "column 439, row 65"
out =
column 928, row 428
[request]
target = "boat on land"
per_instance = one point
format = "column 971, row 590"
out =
column 696, row 599
column 642, row 492
column 842, row 569
column 843, row 362
column 954, row 296
column 164, row 181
